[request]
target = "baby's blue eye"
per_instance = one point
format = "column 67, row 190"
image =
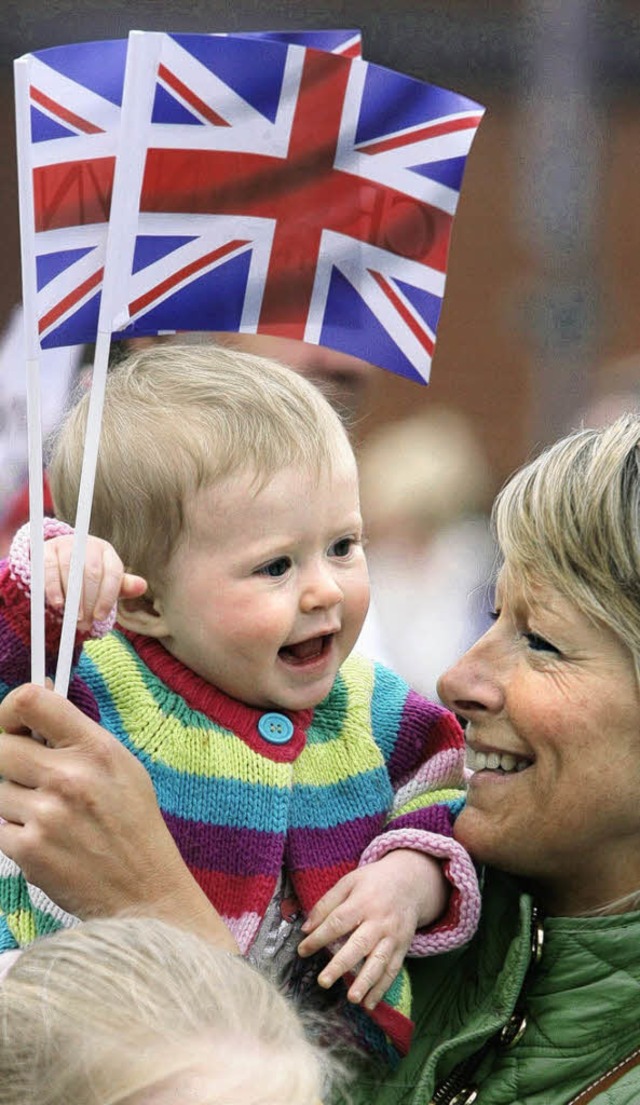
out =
column 342, row 547
column 276, row 568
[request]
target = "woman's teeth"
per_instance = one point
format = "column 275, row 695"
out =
column 494, row 761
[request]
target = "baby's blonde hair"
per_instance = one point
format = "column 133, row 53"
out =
column 571, row 518
column 113, row 1011
column 179, row 418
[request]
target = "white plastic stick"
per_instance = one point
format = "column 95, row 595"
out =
column 137, row 104
column 83, row 514
column 32, row 349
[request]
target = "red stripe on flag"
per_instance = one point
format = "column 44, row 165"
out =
column 69, row 300
column 425, row 341
column 424, row 132
column 312, row 150
column 188, row 270
column 73, row 193
column 63, row 113
column 187, row 94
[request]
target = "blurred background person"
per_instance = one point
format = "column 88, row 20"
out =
column 426, row 489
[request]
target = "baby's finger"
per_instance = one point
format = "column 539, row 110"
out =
column 53, row 576
column 339, row 923
column 132, row 586
column 102, row 578
column 357, row 947
column 376, row 974
column 330, row 901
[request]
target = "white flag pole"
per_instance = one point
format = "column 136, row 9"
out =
column 137, row 104
column 32, row 350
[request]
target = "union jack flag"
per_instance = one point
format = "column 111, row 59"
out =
column 73, row 100
column 285, row 191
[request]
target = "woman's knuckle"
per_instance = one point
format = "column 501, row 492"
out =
column 69, row 784
column 46, row 812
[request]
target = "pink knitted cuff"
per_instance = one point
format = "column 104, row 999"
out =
column 20, row 565
column 460, row 921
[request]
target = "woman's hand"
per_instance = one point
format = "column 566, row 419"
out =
column 82, row 821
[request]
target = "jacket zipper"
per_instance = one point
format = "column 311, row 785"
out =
column 454, row 1084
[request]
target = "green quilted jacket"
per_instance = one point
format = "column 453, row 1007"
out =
column 580, row 998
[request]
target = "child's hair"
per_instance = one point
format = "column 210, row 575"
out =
column 118, row 1011
column 179, row 418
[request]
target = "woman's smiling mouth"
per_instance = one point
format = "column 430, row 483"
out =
column 504, row 762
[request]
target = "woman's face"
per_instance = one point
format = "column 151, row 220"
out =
column 553, row 711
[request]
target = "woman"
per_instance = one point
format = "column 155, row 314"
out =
column 542, row 1008
column 545, row 1002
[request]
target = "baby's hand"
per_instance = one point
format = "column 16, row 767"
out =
column 104, row 580
column 378, row 907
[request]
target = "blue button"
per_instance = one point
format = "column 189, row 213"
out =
column 275, row 728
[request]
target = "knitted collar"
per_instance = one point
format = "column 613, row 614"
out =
column 227, row 712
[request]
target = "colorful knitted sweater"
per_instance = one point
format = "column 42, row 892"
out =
column 374, row 767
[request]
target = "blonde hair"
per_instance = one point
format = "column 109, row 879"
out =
column 572, row 518
column 178, row 418
column 111, row 1011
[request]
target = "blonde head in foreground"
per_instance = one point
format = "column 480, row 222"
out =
column 136, row 1012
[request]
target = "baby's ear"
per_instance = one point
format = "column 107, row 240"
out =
column 141, row 615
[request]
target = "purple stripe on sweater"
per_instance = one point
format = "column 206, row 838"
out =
column 222, row 848
column 15, row 656
column 327, row 847
column 425, row 729
column 82, row 696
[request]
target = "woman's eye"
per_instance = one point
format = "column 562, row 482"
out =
column 275, row 568
column 342, row 547
column 538, row 644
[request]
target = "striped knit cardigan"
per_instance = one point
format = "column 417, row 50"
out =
column 372, row 768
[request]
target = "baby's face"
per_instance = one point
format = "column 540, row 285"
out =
column 267, row 594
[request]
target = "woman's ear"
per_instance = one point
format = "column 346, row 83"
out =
column 142, row 615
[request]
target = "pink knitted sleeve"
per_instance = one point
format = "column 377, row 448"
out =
column 460, row 920
column 424, row 752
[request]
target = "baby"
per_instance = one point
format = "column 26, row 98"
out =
column 309, row 791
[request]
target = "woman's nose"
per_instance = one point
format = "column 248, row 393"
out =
column 473, row 684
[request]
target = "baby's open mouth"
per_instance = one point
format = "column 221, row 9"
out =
column 304, row 651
